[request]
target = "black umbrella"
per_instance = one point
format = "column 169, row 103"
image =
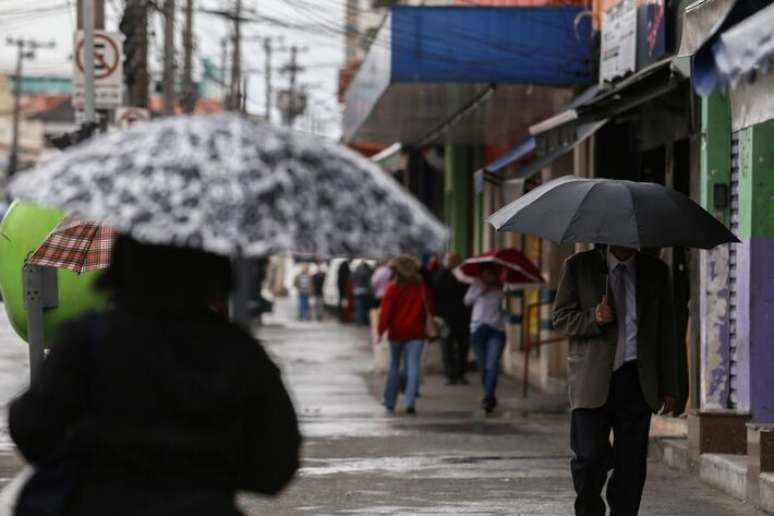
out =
column 606, row 211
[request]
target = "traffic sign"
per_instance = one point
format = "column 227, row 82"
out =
column 108, row 72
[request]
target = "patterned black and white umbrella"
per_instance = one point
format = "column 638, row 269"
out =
column 231, row 186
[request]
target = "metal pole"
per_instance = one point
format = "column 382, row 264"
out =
column 236, row 64
column 189, row 97
column 292, row 89
column 267, row 49
column 88, row 61
column 244, row 93
column 13, row 159
column 223, row 67
column 168, row 79
column 40, row 292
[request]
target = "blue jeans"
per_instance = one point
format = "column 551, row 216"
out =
column 362, row 305
column 488, row 344
column 303, row 307
column 411, row 351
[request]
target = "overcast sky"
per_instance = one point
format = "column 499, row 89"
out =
column 318, row 30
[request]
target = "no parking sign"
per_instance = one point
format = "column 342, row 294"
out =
column 108, row 72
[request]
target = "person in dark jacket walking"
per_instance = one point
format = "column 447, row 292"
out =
column 361, row 292
column 343, row 282
column 168, row 408
column 624, row 364
column 449, row 300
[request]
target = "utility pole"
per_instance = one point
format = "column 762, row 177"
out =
column 91, row 17
column 235, row 100
column 267, row 51
column 223, row 70
column 98, row 8
column 168, row 77
column 134, row 26
column 189, row 95
column 291, row 109
column 25, row 49
column 89, row 86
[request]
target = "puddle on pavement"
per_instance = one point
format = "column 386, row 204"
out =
column 428, row 467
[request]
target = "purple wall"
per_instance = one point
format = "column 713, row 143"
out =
column 755, row 327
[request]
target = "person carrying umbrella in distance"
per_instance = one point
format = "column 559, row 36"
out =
column 490, row 273
column 161, row 405
column 615, row 305
column 404, row 317
column 449, row 300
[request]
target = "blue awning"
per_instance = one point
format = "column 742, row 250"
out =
column 529, row 45
column 512, row 156
column 427, row 63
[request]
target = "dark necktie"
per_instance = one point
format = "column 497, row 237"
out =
column 619, row 297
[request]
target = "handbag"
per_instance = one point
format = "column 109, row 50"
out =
column 431, row 328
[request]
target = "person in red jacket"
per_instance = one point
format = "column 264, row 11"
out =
column 405, row 307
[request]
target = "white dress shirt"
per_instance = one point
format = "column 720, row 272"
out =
column 630, row 278
column 487, row 307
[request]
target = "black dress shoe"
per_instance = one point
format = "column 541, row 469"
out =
column 450, row 381
column 463, row 381
column 411, row 411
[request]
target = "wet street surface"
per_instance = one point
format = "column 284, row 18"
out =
column 448, row 459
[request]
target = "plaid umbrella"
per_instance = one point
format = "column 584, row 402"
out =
column 76, row 245
column 514, row 267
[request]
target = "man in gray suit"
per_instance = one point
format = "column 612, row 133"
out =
column 624, row 364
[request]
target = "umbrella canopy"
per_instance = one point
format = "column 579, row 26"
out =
column 231, row 186
column 76, row 245
column 605, row 211
column 515, row 268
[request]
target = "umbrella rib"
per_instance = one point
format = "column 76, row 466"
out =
column 576, row 214
column 636, row 221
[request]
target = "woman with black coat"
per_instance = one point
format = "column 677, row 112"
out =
column 159, row 406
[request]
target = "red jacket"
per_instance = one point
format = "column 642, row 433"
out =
column 402, row 313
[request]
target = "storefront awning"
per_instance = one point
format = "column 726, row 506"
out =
column 742, row 58
column 537, row 144
column 428, row 64
column 554, row 137
column 747, row 48
column 705, row 72
column 701, row 20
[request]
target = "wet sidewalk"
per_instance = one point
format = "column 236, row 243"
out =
column 448, row 459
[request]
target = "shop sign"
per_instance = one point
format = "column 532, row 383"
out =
column 618, row 56
column 651, row 31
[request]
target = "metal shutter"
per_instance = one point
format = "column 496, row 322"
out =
column 732, row 269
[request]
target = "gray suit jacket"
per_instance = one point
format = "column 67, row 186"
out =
column 661, row 361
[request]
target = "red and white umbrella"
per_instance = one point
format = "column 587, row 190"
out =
column 515, row 269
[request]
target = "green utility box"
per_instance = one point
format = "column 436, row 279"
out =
column 24, row 227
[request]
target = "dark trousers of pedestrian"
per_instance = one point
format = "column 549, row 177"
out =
column 362, row 305
column 303, row 307
column 455, row 348
column 488, row 344
column 627, row 414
